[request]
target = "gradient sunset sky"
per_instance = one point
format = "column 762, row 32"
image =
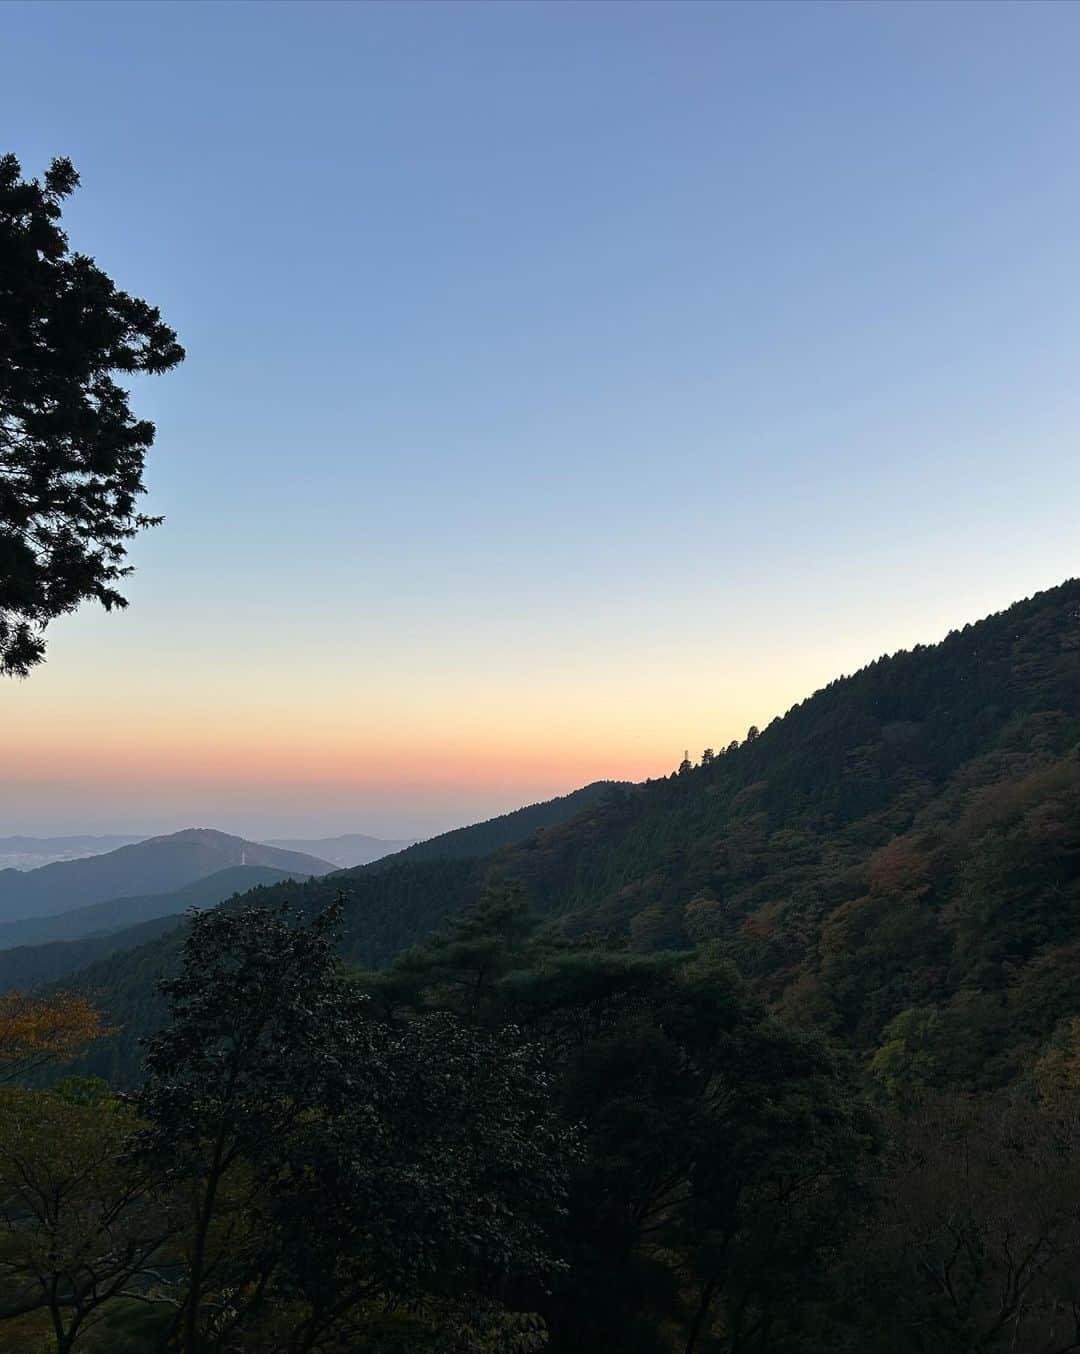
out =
column 568, row 384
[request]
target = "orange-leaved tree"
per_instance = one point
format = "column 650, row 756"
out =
column 39, row 1030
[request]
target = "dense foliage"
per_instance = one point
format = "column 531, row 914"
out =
column 724, row 1153
column 71, row 451
column 508, row 1140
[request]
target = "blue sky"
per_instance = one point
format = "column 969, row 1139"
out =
column 567, row 384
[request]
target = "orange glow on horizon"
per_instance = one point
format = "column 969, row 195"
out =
column 360, row 765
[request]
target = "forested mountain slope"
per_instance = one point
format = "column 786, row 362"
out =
column 29, row 966
column 116, row 914
column 896, row 860
column 480, row 839
column 902, row 847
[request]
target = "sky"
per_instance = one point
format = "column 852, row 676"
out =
column 568, row 385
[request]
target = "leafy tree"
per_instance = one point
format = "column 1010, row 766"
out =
column 724, row 1157
column 329, row 1161
column 79, row 1226
column 703, row 917
column 35, row 1031
column 257, row 1035
column 460, row 967
column 654, row 929
column 1056, row 1074
column 908, row 1059
column 71, row 451
column 976, row 1246
column 723, row 1152
column 439, row 1180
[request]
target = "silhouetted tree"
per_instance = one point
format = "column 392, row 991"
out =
column 259, row 1029
column 71, row 451
column 323, row 1161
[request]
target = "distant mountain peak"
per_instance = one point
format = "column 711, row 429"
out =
column 197, row 834
column 157, row 865
column 346, row 850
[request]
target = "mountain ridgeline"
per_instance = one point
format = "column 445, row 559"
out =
column 895, row 861
column 346, row 851
column 157, row 865
column 29, row 853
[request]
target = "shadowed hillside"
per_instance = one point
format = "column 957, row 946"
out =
column 117, row 914
column 28, row 966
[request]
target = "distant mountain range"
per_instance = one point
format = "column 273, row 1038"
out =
column 30, row 853
column 345, row 851
column 351, row 849
column 158, row 865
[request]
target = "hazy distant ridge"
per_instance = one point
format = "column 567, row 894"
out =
column 31, row 853
column 158, row 865
column 347, row 851
column 88, row 844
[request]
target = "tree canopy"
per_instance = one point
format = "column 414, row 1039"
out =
column 323, row 1164
column 72, row 452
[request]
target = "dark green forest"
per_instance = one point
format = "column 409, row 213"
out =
column 779, row 1055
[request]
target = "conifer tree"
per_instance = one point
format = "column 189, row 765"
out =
column 71, row 451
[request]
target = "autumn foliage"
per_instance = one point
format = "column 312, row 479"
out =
column 35, row 1031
